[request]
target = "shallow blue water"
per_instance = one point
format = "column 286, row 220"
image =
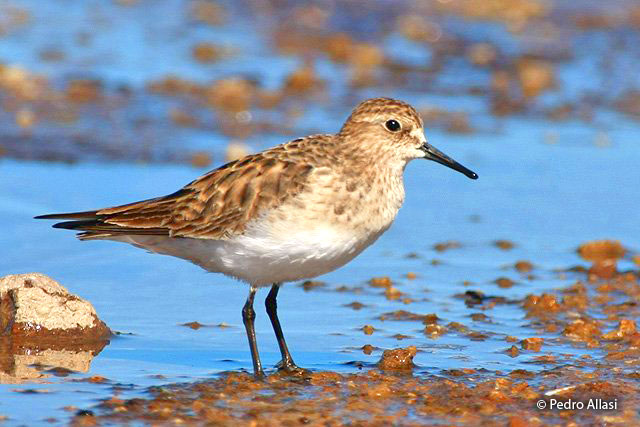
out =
column 546, row 186
column 545, row 198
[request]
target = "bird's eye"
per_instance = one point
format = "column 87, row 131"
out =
column 392, row 125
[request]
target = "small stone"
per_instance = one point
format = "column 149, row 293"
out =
column 444, row 246
column 430, row 319
column 513, row 351
column 434, row 331
column 504, row 282
column 368, row 329
column 599, row 251
column 533, row 344
column 193, row 325
column 401, row 337
column 312, row 284
column 398, row 359
column 523, row 266
column 540, row 305
column 479, row 317
column 356, row 305
column 505, row 245
column 392, row 293
column 381, row 282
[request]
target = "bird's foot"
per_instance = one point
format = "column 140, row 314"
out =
column 291, row 369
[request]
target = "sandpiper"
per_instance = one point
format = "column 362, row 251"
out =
column 292, row 212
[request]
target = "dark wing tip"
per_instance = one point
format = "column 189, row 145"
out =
column 74, row 225
column 48, row 216
column 75, row 220
column 72, row 215
column 96, row 227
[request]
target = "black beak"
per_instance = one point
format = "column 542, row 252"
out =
column 438, row 156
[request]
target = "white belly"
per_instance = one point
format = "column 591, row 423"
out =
column 302, row 255
column 261, row 258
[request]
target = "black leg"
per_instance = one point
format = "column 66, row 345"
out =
column 271, row 304
column 248, row 317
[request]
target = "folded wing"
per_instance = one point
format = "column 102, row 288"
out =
column 217, row 205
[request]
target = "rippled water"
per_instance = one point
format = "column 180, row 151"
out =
column 546, row 186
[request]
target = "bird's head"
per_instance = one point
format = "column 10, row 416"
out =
column 393, row 129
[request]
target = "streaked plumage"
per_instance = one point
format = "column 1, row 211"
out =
column 291, row 212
